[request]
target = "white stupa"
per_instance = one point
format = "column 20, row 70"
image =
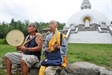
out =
column 88, row 26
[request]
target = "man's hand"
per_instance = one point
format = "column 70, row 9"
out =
column 21, row 48
column 48, row 49
column 18, row 47
column 56, row 46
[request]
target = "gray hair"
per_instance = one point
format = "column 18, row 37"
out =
column 34, row 25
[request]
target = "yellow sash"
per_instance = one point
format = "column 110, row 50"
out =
column 55, row 38
column 42, row 70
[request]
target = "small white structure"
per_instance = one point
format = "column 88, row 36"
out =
column 88, row 26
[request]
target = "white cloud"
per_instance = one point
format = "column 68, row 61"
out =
column 46, row 10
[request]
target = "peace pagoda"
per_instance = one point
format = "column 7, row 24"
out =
column 88, row 26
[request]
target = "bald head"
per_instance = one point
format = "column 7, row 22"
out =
column 53, row 25
column 53, row 21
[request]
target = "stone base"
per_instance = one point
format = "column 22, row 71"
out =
column 77, row 68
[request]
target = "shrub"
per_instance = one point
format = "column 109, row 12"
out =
column 3, row 41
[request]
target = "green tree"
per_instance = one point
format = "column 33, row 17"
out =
column 6, row 27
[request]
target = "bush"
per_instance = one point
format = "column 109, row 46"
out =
column 3, row 41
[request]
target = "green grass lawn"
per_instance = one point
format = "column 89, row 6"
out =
column 6, row 48
column 99, row 54
column 3, row 50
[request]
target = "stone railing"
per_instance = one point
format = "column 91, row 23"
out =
column 76, row 30
column 76, row 68
column 68, row 33
column 110, row 30
column 101, row 30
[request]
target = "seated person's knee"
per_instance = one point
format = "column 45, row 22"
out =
column 22, row 62
column 47, row 70
column 7, row 54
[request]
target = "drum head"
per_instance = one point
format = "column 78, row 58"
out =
column 15, row 38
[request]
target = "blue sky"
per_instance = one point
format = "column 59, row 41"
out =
column 46, row 10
